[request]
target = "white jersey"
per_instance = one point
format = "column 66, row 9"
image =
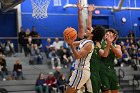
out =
column 81, row 74
column 84, row 62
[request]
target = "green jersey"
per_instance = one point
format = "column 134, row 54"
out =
column 109, row 79
column 95, row 69
column 95, row 60
column 109, row 60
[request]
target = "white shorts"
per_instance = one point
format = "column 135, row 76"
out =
column 79, row 78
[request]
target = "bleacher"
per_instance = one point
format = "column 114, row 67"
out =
column 31, row 72
column 128, row 83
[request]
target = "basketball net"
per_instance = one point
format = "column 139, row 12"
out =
column 40, row 8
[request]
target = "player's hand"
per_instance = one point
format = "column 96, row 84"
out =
column 110, row 38
column 68, row 40
column 91, row 8
column 79, row 6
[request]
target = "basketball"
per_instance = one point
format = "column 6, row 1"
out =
column 70, row 33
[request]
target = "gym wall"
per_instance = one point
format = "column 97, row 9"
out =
column 53, row 26
column 114, row 18
column 60, row 18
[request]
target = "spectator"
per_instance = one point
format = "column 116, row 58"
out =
column 39, row 42
column 1, row 49
column 36, row 54
column 57, row 43
column 41, row 86
column 61, row 82
column 17, row 70
column 3, row 69
column 138, row 57
column 27, row 32
column 51, row 82
column 21, row 39
column 122, row 46
column 54, row 57
column 9, row 48
column 127, row 44
column 64, row 57
column 34, row 34
column 29, row 44
column 132, row 41
column 138, row 43
column 131, row 34
column 126, row 58
column 132, row 52
column 48, row 43
column 28, row 41
column 57, row 73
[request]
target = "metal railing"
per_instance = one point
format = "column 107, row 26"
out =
column 136, row 78
column 119, row 73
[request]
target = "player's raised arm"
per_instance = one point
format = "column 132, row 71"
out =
column 91, row 8
column 117, row 51
column 105, row 52
column 81, row 31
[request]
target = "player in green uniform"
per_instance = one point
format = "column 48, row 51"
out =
column 96, row 57
column 98, row 33
column 108, row 75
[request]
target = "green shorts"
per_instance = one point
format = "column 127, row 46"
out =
column 109, row 79
column 96, row 82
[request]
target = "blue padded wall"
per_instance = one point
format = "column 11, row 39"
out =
column 59, row 18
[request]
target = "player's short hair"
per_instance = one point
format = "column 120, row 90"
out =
column 98, row 33
column 112, row 30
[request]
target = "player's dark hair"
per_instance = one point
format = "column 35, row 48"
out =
column 112, row 30
column 98, row 33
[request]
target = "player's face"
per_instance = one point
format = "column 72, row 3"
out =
column 109, row 33
column 106, row 34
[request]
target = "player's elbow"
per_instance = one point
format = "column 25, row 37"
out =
column 119, row 55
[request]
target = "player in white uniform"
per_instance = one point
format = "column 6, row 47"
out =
column 81, row 74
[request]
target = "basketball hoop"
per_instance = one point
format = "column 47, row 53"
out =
column 40, row 8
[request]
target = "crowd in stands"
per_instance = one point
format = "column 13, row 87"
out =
column 131, row 52
column 52, row 82
column 17, row 69
column 59, row 55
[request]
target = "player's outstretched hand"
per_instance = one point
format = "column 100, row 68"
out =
column 79, row 6
column 91, row 8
